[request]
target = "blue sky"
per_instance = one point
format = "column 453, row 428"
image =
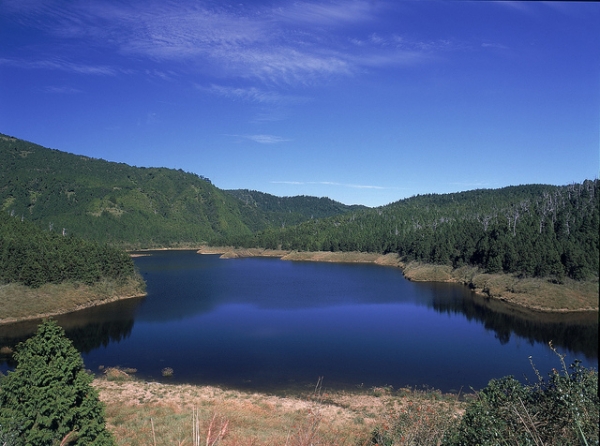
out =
column 366, row 102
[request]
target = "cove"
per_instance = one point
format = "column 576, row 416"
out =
column 271, row 325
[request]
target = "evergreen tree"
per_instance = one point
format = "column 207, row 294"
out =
column 49, row 397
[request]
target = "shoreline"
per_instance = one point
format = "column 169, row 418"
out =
column 6, row 321
column 529, row 295
column 55, row 300
column 317, row 413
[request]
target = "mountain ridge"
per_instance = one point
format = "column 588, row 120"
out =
column 135, row 207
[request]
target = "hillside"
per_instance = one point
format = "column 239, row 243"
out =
column 260, row 210
column 530, row 230
column 129, row 206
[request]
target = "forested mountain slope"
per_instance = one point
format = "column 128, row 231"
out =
column 531, row 230
column 135, row 207
column 260, row 210
column 112, row 202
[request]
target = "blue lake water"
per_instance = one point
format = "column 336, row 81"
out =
column 268, row 324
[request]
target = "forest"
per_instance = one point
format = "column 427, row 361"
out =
column 261, row 211
column 33, row 257
column 136, row 207
column 527, row 230
column 530, row 230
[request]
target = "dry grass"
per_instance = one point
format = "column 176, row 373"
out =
column 18, row 302
column 162, row 414
column 228, row 252
column 533, row 293
column 300, row 256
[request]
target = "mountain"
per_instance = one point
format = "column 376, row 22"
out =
column 130, row 206
column 260, row 210
column 529, row 230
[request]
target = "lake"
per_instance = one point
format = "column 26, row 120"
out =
column 271, row 325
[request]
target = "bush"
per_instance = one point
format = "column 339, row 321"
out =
column 48, row 398
column 562, row 410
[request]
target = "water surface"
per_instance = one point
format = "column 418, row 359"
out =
column 267, row 324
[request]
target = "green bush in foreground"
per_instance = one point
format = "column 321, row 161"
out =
column 48, row 398
column 561, row 410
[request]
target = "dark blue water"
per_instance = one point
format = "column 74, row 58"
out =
column 267, row 324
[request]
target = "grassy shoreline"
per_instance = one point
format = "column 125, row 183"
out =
column 20, row 303
column 530, row 295
column 525, row 294
column 155, row 413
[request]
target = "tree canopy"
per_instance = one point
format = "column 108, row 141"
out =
column 531, row 230
column 135, row 207
column 49, row 397
column 34, row 257
column 528, row 230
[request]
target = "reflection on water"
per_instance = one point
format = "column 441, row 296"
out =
column 574, row 332
column 267, row 323
column 88, row 329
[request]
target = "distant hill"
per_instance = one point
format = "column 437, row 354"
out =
column 530, row 230
column 130, row 206
column 260, row 210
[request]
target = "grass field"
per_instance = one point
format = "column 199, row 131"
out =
column 161, row 414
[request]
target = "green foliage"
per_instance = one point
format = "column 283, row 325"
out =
column 260, row 211
column 8, row 436
column 562, row 410
column 49, row 397
column 112, row 202
column 422, row 422
column 33, row 257
column 531, row 231
column 135, row 207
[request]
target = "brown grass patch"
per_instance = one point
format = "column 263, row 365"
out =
column 139, row 412
column 539, row 294
column 18, row 302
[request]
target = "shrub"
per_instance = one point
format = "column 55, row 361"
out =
column 48, row 398
column 561, row 410
column 423, row 420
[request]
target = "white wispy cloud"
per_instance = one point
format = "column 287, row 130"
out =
column 266, row 139
column 327, row 13
column 494, row 45
column 62, row 65
column 251, row 94
column 291, row 44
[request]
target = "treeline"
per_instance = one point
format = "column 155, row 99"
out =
column 135, row 207
column 34, row 257
column 532, row 230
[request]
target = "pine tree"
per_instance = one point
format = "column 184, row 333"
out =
column 49, row 397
